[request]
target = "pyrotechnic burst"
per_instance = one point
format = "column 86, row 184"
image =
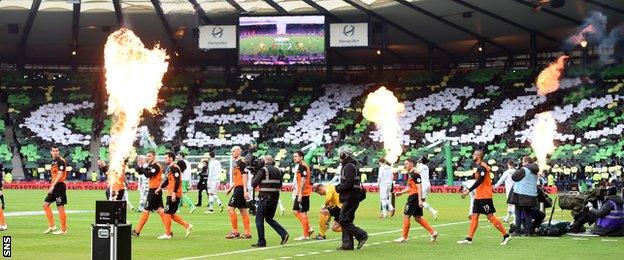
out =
column 579, row 38
column 542, row 140
column 383, row 108
column 548, row 79
column 133, row 78
column 592, row 30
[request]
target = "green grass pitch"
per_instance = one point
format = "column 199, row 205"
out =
column 311, row 45
column 207, row 240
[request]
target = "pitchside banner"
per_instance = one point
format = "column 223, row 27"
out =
column 217, row 37
column 348, row 34
column 40, row 185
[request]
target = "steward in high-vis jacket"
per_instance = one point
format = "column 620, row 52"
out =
column 350, row 190
column 268, row 181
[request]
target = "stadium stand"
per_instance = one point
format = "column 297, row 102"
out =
column 47, row 109
column 277, row 114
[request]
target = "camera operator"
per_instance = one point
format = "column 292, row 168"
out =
column 253, row 166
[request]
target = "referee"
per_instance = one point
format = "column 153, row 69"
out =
column 269, row 181
column 350, row 195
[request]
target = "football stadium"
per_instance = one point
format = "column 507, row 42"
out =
column 288, row 129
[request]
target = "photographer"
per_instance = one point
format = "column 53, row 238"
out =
column 594, row 199
column 610, row 217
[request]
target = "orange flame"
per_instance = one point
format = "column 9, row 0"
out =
column 133, row 78
column 548, row 79
column 383, row 108
column 542, row 140
column 583, row 43
column 579, row 37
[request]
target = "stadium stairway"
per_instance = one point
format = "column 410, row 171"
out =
column 16, row 161
column 99, row 99
column 192, row 101
column 94, row 148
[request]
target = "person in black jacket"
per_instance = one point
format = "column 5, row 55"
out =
column 3, row 225
column 268, row 180
column 351, row 194
column 1, row 182
column 202, row 185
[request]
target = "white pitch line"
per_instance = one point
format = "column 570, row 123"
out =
column 579, row 238
column 609, row 240
column 41, row 213
column 311, row 242
column 550, row 238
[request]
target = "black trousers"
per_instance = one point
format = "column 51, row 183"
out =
column 349, row 231
column 265, row 212
column 538, row 218
column 201, row 187
column 584, row 217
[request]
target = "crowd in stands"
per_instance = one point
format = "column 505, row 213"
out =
column 278, row 114
column 308, row 29
column 251, row 30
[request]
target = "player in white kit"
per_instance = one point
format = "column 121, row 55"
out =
column 336, row 179
column 185, row 167
column 214, row 169
column 125, row 196
column 465, row 186
column 506, row 178
column 385, row 182
column 423, row 170
column 143, row 186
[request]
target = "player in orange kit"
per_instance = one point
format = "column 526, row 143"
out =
column 239, row 196
column 153, row 171
column 414, row 204
column 483, row 203
column 56, row 193
column 304, row 189
column 173, row 186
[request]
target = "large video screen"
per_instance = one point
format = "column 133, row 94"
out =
column 282, row 40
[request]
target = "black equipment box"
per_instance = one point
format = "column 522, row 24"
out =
column 111, row 242
column 110, row 212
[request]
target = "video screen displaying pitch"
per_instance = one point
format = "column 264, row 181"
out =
column 282, row 40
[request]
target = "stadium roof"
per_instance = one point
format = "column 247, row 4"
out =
column 51, row 28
